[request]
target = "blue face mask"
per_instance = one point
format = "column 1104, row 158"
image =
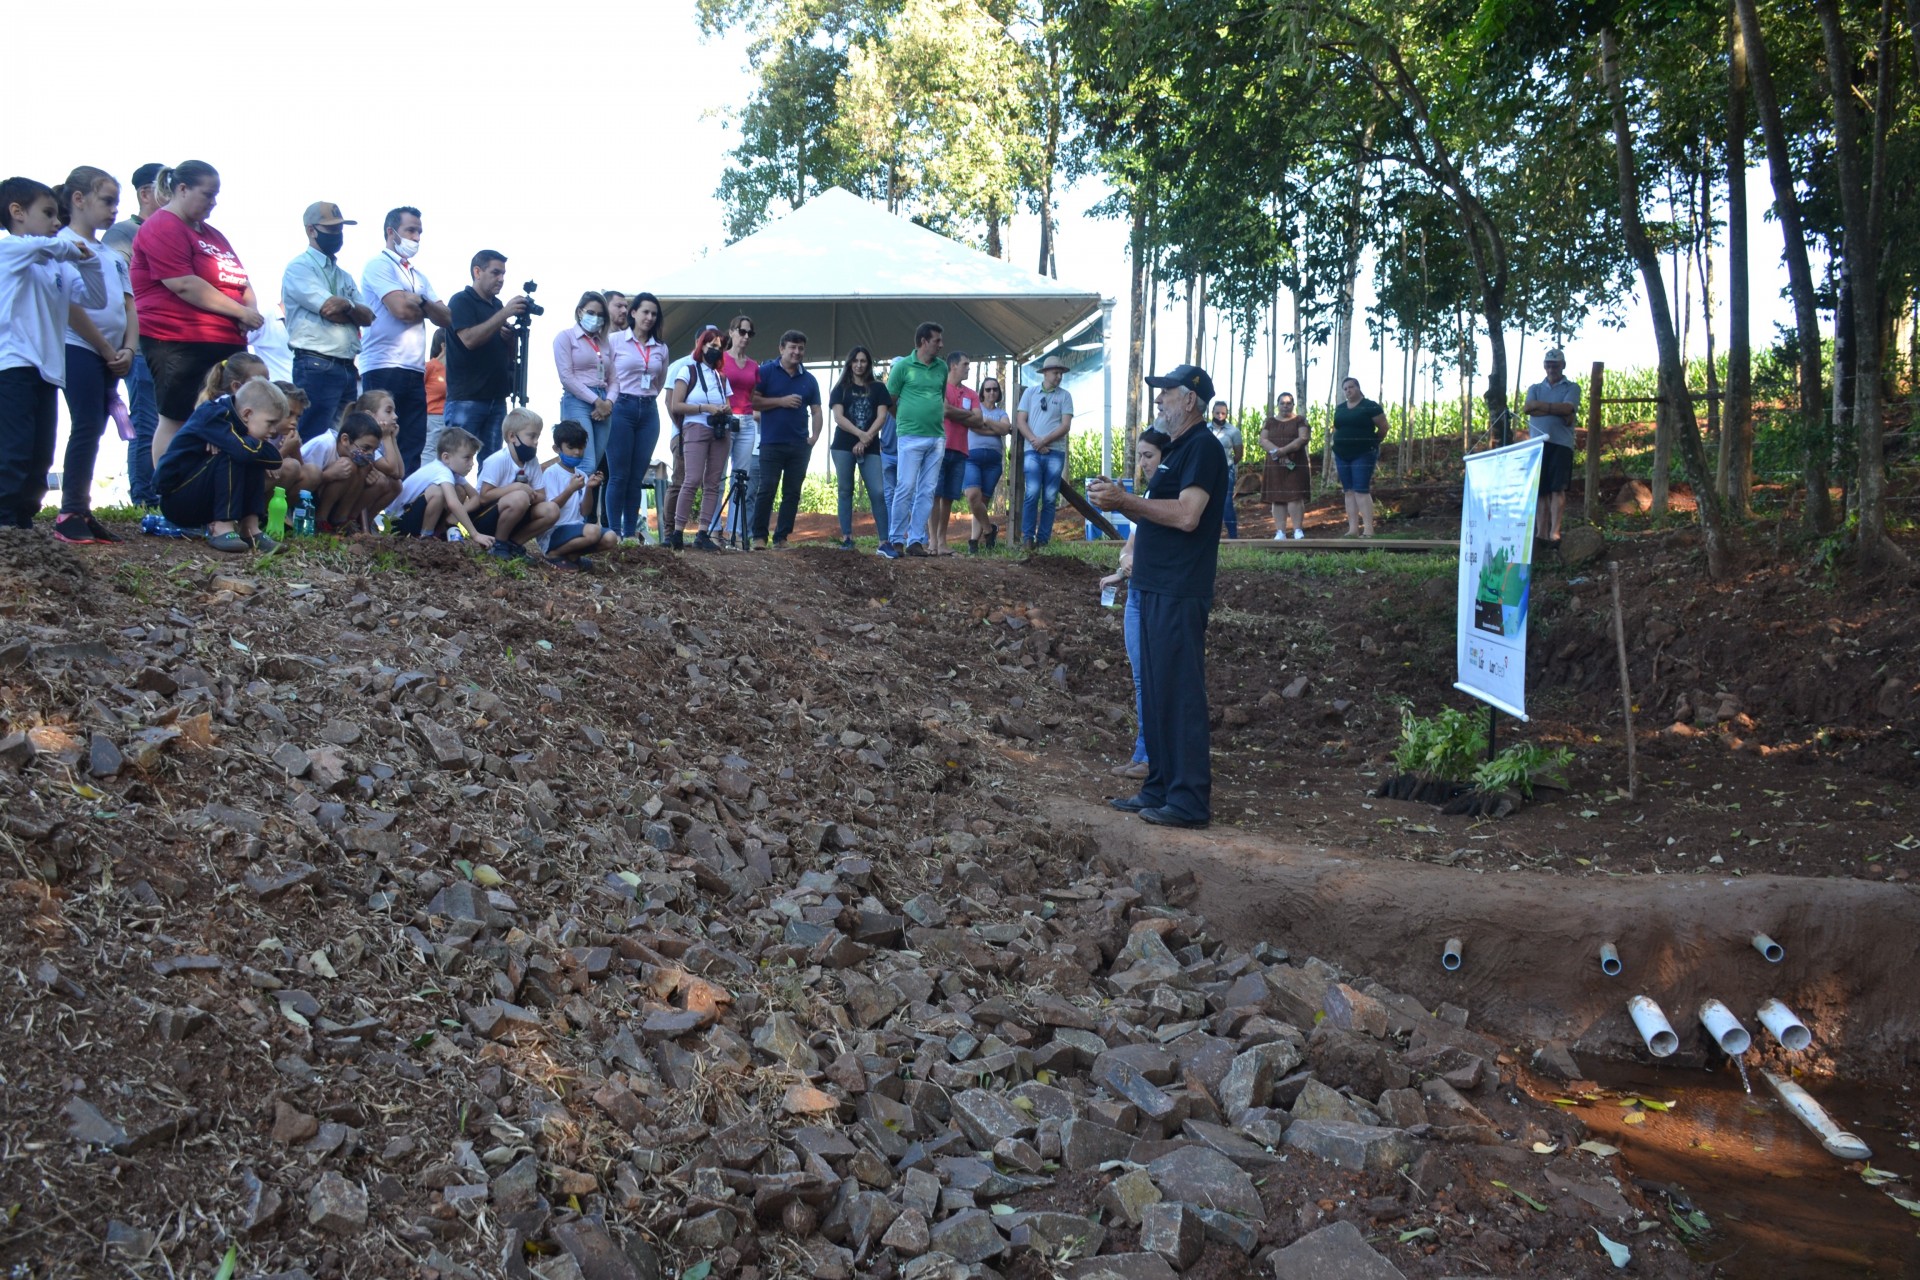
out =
column 570, row 462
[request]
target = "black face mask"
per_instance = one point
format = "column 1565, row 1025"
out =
column 711, row 357
column 329, row 242
column 524, row 452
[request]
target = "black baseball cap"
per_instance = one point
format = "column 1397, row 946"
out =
column 145, row 175
column 1190, row 376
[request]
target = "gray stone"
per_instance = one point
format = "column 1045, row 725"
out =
column 1556, row 1062
column 1582, row 544
column 292, row 759
column 443, row 744
column 1317, row 1102
column 595, row 1253
column 908, row 1236
column 1351, row 1011
column 782, row 1037
column 1201, row 1176
column 969, row 1236
column 1353, row 1060
column 517, row 1187
column 1241, row 1151
column 103, row 757
column 1249, row 1081
column 711, row 1230
column 1119, row 1266
column 1359, row 1147
column 987, row 1120
column 1173, row 1231
column 1155, row 1064
column 1128, row 1194
column 1403, row 1108
column 1336, row 1252
column 1234, row 1232
column 1124, row 1082
column 1054, row 1233
column 88, row 1126
column 1087, row 1144
column 337, row 1205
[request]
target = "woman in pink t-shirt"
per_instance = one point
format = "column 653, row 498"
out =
column 743, row 459
column 190, row 293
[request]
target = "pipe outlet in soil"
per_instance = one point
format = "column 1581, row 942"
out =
column 1453, row 955
column 1767, row 947
column 1724, row 1028
column 1609, row 959
column 1836, row 1140
column 1784, row 1026
column 1653, row 1026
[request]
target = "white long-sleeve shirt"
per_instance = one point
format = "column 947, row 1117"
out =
column 40, row 276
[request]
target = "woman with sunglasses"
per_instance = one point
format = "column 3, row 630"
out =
column 740, row 375
column 986, row 459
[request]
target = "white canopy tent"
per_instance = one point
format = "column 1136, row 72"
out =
column 844, row 271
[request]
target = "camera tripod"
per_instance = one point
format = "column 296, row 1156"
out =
column 732, row 523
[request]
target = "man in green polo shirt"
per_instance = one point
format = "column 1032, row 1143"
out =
column 918, row 385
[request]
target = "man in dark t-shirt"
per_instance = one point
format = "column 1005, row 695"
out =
column 481, row 352
column 1176, row 553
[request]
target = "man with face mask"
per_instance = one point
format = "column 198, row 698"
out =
column 324, row 315
column 1221, row 424
column 393, row 352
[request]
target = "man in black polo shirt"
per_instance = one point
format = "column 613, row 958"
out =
column 480, row 355
column 1176, row 551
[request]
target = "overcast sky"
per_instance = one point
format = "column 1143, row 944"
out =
column 587, row 149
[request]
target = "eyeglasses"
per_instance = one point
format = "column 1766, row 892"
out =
column 745, row 333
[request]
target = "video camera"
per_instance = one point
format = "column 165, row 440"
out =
column 533, row 308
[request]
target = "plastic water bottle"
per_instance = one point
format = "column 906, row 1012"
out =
column 1109, row 596
column 277, row 514
column 454, row 535
column 304, row 521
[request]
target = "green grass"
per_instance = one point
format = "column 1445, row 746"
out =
column 1398, row 565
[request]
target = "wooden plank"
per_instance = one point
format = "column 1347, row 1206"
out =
column 1347, row 544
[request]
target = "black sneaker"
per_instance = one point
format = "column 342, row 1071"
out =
column 973, row 546
column 917, row 550
column 702, row 542
column 846, row 544
column 100, row 532
column 73, row 528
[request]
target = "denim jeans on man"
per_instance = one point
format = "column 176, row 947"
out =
column 783, row 466
column 145, row 415
column 872, row 474
column 408, row 387
column 631, row 439
column 1043, row 472
column 920, row 458
column 330, row 384
column 481, row 419
column 889, row 486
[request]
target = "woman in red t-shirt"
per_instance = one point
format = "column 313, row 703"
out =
column 192, row 296
column 740, row 373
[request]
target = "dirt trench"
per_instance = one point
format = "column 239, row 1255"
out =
column 1531, row 967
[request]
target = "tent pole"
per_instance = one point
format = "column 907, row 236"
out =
column 1106, row 386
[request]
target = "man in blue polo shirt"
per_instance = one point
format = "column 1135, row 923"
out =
column 783, row 395
column 1176, row 552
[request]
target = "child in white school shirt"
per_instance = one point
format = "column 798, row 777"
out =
column 514, row 468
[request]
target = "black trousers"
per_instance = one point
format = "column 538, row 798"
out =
column 29, row 420
column 784, row 465
column 221, row 489
column 89, row 389
column 1173, row 704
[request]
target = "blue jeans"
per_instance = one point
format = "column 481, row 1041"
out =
column 919, row 472
column 145, row 413
column 889, row 485
column 329, row 384
column 581, row 411
column 88, row 388
column 408, row 387
column 1356, row 474
column 1043, row 472
column 1131, row 629
column 871, row 474
column 481, row 419
column 1232, row 525
column 631, row 439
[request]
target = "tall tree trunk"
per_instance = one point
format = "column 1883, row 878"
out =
column 1863, row 204
column 1186, row 345
column 1736, row 427
column 1300, row 402
column 1818, row 515
column 1673, row 376
column 993, row 234
column 1050, row 155
column 1137, row 316
column 1200, row 323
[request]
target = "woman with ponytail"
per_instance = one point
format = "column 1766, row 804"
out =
column 195, row 303
column 100, row 345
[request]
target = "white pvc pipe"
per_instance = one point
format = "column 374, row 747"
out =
column 1653, row 1026
column 1609, row 960
column 1453, row 956
column 1836, row 1140
column 1767, row 947
column 1724, row 1028
column 1787, row 1029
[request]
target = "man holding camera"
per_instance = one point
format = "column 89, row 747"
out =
column 1176, row 551
column 483, row 353
column 783, row 393
column 393, row 351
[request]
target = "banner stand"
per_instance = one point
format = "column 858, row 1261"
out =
column 1497, row 514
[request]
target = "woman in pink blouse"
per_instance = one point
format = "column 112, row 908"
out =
column 584, row 361
column 639, row 369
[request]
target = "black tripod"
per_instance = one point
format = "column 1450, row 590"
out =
column 738, row 531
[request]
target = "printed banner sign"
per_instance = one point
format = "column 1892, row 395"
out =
column 1496, row 572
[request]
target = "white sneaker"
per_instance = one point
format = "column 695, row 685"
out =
column 1280, row 536
column 1299, row 533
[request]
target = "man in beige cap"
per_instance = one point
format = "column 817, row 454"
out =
column 324, row 315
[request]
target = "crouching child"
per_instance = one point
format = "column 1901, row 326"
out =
column 572, row 535
column 214, row 473
column 511, row 477
column 437, row 496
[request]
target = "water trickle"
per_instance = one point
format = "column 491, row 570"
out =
column 1740, row 1061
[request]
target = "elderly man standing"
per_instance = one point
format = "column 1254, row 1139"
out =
column 324, row 315
column 393, row 357
column 1551, row 409
column 1176, row 551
